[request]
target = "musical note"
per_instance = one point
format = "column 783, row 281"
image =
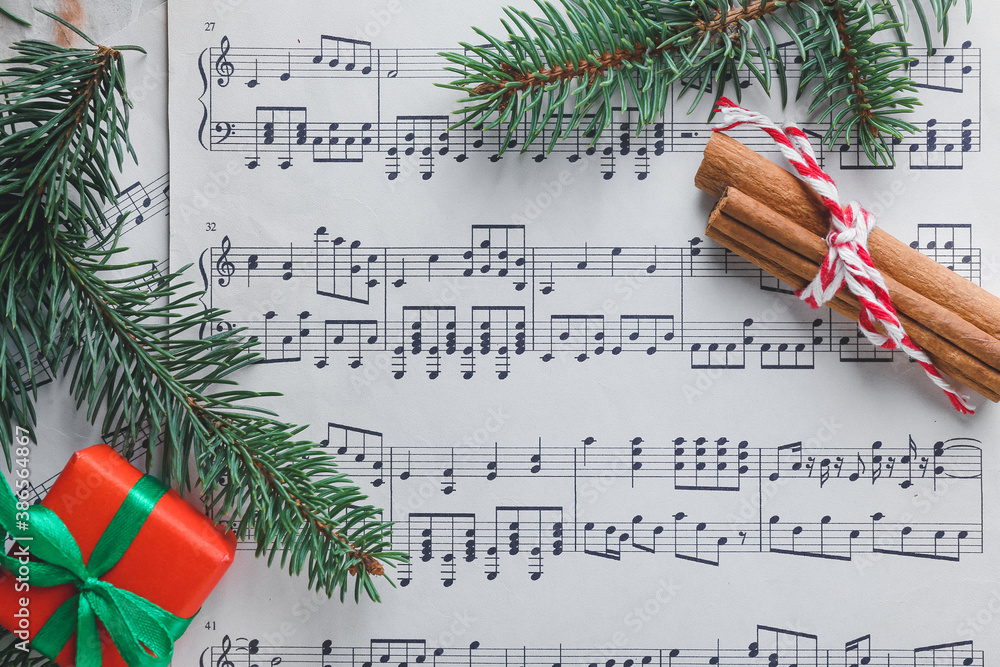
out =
column 328, row 43
column 792, row 648
column 700, row 467
column 858, row 652
column 448, row 476
column 287, row 74
column 649, row 333
column 253, row 82
column 423, row 137
column 351, row 440
column 397, row 652
column 952, row 654
column 501, row 331
column 578, row 334
column 946, row 69
column 540, row 529
column 143, row 202
column 951, row 245
column 494, row 465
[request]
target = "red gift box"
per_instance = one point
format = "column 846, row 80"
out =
column 175, row 561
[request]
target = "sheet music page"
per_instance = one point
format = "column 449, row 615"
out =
column 602, row 439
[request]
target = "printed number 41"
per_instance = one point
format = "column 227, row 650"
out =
column 209, row 26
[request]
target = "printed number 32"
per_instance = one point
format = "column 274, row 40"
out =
column 209, row 226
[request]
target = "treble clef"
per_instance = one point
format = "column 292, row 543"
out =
column 223, row 67
column 223, row 266
column 224, row 660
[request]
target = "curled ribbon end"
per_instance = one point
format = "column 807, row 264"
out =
column 723, row 106
column 961, row 404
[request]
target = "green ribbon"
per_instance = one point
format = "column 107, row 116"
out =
column 143, row 633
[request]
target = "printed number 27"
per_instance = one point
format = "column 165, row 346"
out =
column 209, row 26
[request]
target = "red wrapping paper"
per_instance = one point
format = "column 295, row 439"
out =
column 175, row 561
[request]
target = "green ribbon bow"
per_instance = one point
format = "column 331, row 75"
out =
column 143, row 633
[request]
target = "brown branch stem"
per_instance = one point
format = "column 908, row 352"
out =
column 721, row 23
column 858, row 91
column 103, row 56
column 757, row 9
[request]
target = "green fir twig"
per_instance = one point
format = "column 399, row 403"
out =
column 137, row 345
column 569, row 67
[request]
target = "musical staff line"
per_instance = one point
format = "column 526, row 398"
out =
column 347, row 271
column 359, row 269
column 770, row 645
column 446, row 537
column 690, row 531
column 940, row 145
column 705, row 464
column 280, row 74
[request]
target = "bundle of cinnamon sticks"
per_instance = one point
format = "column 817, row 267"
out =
column 771, row 218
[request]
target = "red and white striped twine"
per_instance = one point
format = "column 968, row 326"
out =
column 847, row 260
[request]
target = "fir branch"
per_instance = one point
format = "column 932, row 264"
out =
column 861, row 89
column 123, row 332
column 568, row 68
column 590, row 69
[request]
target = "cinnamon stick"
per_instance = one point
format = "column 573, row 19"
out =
column 938, row 319
column 729, row 163
column 797, row 271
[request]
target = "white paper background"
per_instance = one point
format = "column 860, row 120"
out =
column 645, row 600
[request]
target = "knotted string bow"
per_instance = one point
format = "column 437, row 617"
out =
column 143, row 632
column 847, row 261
